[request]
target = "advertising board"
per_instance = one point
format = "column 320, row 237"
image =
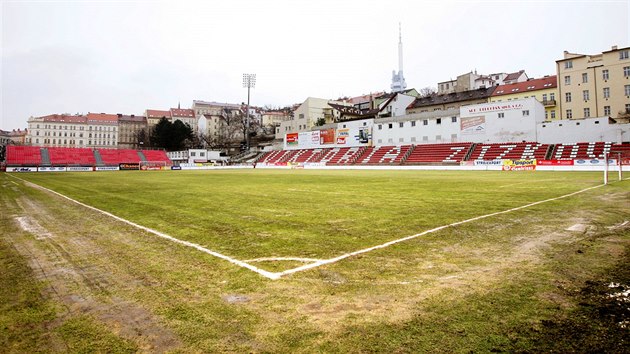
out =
column 51, row 169
column 129, row 166
column 473, row 125
column 21, row 169
column 519, row 165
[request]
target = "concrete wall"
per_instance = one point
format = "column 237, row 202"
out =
column 582, row 130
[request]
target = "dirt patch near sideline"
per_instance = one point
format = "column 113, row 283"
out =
column 82, row 287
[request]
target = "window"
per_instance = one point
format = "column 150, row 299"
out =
column 400, row 140
column 552, row 96
column 567, row 97
column 626, row 90
column 606, row 92
column 567, row 80
column 380, row 127
column 401, row 125
column 301, row 116
column 438, row 121
column 585, row 95
column 526, row 113
column 568, row 64
column 425, row 138
column 553, row 114
column 544, row 97
column 390, row 125
column 569, row 114
column 501, row 115
column 438, row 138
column 606, row 110
column 626, row 71
column 453, row 119
column 546, row 115
column 605, row 74
column 413, row 123
column 584, row 78
column 413, row 139
column 425, row 122
column 627, row 107
column 624, row 54
column 587, row 112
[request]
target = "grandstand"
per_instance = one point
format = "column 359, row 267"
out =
column 439, row 153
column 515, row 151
column 63, row 156
column 445, row 154
column 422, row 154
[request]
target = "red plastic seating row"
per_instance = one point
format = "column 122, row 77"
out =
column 115, row 157
column 156, row 156
column 515, row 151
column 383, row 154
column 582, row 150
column 62, row 156
column 449, row 152
column 23, row 155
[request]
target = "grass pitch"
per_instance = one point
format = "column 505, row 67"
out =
column 494, row 284
column 250, row 214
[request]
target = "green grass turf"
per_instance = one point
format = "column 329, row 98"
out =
column 304, row 213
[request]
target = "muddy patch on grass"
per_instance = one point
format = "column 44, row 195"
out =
column 62, row 261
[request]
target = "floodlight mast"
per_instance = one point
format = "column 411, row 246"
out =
column 249, row 81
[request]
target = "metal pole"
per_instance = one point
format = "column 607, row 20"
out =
column 605, row 168
column 620, row 166
column 247, row 118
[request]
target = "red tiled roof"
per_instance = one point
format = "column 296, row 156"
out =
column 64, row 118
column 513, row 76
column 154, row 113
column 527, row 86
column 102, row 117
column 183, row 113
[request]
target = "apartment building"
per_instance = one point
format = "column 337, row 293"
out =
column 594, row 85
column 129, row 128
column 544, row 90
column 453, row 100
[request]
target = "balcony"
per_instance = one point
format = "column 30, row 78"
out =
column 549, row 103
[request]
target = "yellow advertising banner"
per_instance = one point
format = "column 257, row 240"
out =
column 519, row 165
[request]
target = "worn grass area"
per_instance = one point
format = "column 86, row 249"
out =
column 315, row 214
column 32, row 319
column 492, row 285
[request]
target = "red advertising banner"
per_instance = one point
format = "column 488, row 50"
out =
column 292, row 139
column 555, row 162
column 327, row 136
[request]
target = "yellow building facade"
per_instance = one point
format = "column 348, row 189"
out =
column 544, row 90
column 595, row 85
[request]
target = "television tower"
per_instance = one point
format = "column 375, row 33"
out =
column 398, row 80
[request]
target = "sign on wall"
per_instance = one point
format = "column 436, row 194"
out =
column 327, row 136
column 473, row 125
column 292, row 139
column 343, row 136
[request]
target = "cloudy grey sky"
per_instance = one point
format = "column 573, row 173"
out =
column 127, row 56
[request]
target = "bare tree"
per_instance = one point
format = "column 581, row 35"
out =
column 427, row 91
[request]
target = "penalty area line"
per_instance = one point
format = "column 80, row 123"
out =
column 390, row 243
column 262, row 272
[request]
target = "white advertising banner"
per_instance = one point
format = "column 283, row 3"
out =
column 51, row 169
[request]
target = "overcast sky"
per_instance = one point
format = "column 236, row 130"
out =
column 127, row 56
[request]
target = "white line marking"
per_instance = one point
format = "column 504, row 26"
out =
column 273, row 259
column 387, row 244
column 317, row 263
column 262, row 272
